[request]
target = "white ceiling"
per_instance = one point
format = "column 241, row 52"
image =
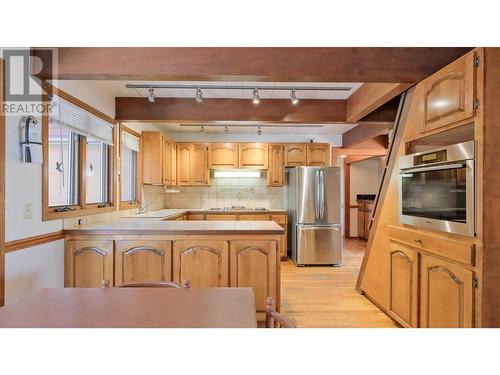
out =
column 118, row 89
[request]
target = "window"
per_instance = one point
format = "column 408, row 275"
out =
column 129, row 175
column 79, row 164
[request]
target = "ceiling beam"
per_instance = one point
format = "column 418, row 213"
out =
column 351, row 64
column 175, row 110
column 371, row 96
column 363, row 132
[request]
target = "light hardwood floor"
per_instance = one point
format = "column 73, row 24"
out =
column 324, row 297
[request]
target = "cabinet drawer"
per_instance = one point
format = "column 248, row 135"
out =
column 221, row 217
column 254, row 217
column 280, row 219
column 196, row 217
column 462, row 252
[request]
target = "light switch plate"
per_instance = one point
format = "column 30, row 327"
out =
column 28, row 211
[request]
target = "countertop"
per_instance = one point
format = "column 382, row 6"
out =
column 169, row 213
column 154, row 225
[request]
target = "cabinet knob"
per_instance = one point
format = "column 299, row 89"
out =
column 418, row 240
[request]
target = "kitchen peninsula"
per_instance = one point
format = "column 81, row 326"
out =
column 208, row 253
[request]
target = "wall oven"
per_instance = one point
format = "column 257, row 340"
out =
column 437, row 189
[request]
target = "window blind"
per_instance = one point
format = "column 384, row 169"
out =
column 80, row 121
column 130, row 141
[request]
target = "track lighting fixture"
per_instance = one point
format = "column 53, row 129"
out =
column 256, row 97
column 199, row 96
column 151, row 96
column 226, row 130
column 293, row 97
column 259, row 131
column 202, row 130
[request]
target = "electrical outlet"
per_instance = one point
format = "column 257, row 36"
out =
column 28, row 211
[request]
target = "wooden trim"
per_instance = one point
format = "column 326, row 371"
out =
column 25, row 243
column 347, row 200
column 82, row 209
column 127, row 205
column 2, row 186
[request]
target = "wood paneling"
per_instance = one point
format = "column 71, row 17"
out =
column 371, row 96
column 33, row 241
column 403, row 283
column 372, row 64
column 2, row 187
column 152, row 157
column 446, row 295
column 204, row 263
column 186, row 110
column 248, row 256
column 276, row 166
column 253, row 155
column 223, row 155
column 295, row 155
column 88, row 263
column 143, row 260
column 318, row 155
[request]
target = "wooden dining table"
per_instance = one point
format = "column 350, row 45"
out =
column 133, row 308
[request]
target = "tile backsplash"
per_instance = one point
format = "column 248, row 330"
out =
column 223, row 192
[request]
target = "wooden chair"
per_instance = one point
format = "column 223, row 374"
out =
column 149, row 284
column 274, row 319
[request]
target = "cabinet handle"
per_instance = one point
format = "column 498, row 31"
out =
column 418, row 240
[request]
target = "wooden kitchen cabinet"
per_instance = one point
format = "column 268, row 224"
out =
column 318, row 155
column 204, row 263
column 276, row 166
column 88, row 263
column 253, row 155
column 152, row 158
column 403, row 283
column 254, row 217
column 167, row 161
column 184, row 163
column 143, row 260
column 448, row 95
column 223, row 155
column 247, row 256
column 221, row 217
column 173, row 160
column 447, row 294
column 192, row 164
column 295, row 155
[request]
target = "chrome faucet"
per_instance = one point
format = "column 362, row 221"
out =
column 143, row 207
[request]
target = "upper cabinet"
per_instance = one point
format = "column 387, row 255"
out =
column 318, row 154
column 223, row 155
column 173, row 160
column 167, row 164
column 152, row 158
column 276, row 167
column 253, row 155
column 295, row 155
column 448, row 95
column 192, row 164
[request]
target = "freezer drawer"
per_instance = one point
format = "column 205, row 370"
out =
column 318, row 244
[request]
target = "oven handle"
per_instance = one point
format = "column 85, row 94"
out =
column 436, row 168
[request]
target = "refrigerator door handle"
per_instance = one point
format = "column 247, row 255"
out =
column 317, row 195
column 321, row 194
column 322, row 227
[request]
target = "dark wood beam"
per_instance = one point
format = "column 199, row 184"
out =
column 364, row 132
column 174, row 110
column 386, row 113
column 351, row 64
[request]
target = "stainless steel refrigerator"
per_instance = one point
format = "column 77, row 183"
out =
column 314, row 215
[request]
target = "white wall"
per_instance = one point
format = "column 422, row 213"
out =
column 365, row 179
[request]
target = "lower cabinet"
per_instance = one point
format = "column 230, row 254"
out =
column 403, row 283
column 204, row 263
column 254, row 264
column 143, row 261
column 88, row 263
column 446, row 294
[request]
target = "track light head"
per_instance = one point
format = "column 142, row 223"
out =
column 199, row 96
column 202, row 130
column 259, row 131
column 293, row 97
column 256, row 97
column 151, row 95
column 226, row 130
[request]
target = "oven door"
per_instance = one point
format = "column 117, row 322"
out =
column 439, row 197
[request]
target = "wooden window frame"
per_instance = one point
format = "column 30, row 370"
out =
column 81, row 209
column 127, row 205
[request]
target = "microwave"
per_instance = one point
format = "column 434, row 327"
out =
column 437, row 189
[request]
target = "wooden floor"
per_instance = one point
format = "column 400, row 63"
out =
column 324, row 297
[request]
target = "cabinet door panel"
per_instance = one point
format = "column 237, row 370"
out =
column 199, row 166
column 446, row 294
column 295, row 155
column 204, row 263
column 276, row 167
column 254, row 264
column 173, row 160
column 88, row 263
column 142, row 261
column 253, row 155
column 184, row 164
column 403, row 281
column 152, row 148
column 167, row 162
column 449, row 94
column 318, row 155
column 223, row 155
